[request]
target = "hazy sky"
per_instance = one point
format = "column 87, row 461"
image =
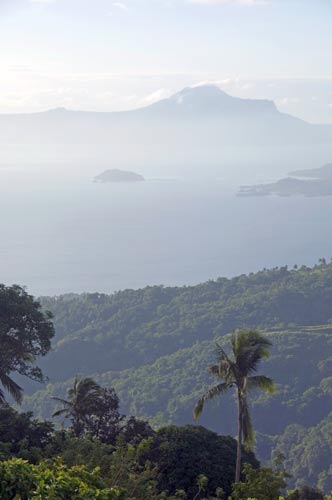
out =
column 109, row 55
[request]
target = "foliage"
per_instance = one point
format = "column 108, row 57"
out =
column 23, row 436
column 153, row 344
column 144, row 463
column 182, row 454
column 306, row 493
column 127, row 333
column 94, row 411
column 134, row 328
column 25, row 333
column 80, row 451
column 88, row 468
column 52, row 481
column 104, row 421
column 105, row 456
column 248, row 349
column 262, row 484
column 129, row 472
column 308, row 453
column 92, row 451
column 80, row 404
column 135, row 430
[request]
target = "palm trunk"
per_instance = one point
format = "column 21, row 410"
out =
column 239, row 442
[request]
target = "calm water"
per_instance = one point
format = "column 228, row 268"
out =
column 63, row 233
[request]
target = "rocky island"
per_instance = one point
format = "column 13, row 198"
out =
column 117, row 175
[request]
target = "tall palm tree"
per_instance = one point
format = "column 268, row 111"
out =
column 81, row 398
column 248, row 349
column 10, row 386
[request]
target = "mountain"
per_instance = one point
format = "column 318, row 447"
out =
column 210, row 101
column 317, row 182
column 324, row 173
column 290, row 186
column 154, row 346
column 201, row 126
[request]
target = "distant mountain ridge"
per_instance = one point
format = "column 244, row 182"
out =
column 324, row 172
column 211, row 101
column 205, row 99
column 196, row 126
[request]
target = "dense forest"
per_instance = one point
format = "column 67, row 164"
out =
column 154, row 346
column 104, row 455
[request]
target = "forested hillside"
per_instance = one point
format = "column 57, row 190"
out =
column 154, row 346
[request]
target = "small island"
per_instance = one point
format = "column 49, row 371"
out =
column 117, row 175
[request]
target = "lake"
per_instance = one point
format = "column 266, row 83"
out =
column 60, row 232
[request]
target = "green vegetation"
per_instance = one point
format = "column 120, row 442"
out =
column 23, row 436
column 248, row 349
column 145, row 353
column 38, row 460
column 92, row 410
column 97, row 333
column 23, row 481
column 264, row 484
column 153, row 347
column 182, row 454
column 25, row 332
column 308, row 452
column 307, row 493
column 40, row 463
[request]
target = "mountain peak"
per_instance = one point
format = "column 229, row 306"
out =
column 60, row 109
column 200, row 92
column 211, row 100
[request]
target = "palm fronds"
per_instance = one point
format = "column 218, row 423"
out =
column 249, row 348
column 261, row 382
column 12, row 387
column 211, row 394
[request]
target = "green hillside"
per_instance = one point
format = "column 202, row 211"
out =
column 154, row 346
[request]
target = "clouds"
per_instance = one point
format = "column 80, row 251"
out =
column 249, row 3
column 124, row 7
column 155, row 96
column 42, row 1
column 121, row 6
column 234, row 85
column 286, row 101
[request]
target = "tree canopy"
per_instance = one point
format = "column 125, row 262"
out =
column 25, row 334
column 183, row 453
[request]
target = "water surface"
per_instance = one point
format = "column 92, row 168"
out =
column 61, row 232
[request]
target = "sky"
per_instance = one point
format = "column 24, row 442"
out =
column 110, row 55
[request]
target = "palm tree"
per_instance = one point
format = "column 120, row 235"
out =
column 81, row 398
column 10, row 348
column 248, row 349
column 10, row 386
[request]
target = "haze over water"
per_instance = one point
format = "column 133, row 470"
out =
column 68, row 234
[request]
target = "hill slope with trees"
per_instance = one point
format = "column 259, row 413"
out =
column 154, row 346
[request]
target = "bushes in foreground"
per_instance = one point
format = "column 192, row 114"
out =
column 131, row 477
column 21, row 480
